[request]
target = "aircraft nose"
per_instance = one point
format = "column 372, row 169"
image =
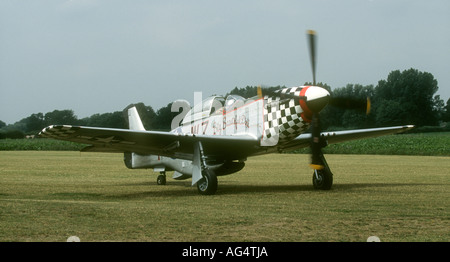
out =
column 316, row 98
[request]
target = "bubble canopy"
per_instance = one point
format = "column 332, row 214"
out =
column 214, row 105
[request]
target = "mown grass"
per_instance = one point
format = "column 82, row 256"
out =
column 49, row 196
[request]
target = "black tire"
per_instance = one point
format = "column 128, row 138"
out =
column 161, row 180
column 208, row 184
column 322, row 179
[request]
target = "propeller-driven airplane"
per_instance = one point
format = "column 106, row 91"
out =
column 217, row 135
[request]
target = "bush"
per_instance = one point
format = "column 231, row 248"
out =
column 425, row 144
column 12, row 134
column 39, row 144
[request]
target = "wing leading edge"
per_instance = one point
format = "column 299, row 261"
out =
column 347, row 135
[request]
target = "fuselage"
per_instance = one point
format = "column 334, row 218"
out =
column 273, row 120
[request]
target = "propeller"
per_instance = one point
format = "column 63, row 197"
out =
column 317, row 160
column 316, row 143
column 313, row 99
column 351, row 103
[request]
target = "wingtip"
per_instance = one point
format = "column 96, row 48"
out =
column 43, row 131
column 409, row 127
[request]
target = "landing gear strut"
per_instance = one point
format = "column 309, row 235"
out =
column 207, row 183
column 323, row 178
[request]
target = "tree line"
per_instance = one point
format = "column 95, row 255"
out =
column 406, row 97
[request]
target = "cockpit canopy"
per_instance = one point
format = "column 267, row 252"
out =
column 233, row 102
column 214, row 105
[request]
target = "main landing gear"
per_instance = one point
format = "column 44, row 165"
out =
column 207, row 183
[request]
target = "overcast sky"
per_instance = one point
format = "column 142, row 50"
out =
column 98, row 56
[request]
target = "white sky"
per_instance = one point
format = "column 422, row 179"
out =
column 98, row 56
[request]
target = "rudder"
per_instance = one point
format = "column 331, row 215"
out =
column 132, row 116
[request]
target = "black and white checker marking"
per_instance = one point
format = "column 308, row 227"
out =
column 282, row 118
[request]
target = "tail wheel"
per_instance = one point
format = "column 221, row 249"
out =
column 208, row 184
column 322, row 179
column 161, row 180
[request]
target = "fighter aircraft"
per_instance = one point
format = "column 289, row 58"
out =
column 216, row 136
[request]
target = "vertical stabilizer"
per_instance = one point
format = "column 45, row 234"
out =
column 134, row 121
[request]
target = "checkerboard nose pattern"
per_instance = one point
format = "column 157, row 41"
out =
column 288, row 118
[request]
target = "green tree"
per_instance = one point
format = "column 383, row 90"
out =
column 438, row 107
column 164, row 117
column 34, row 123
column 390, row 112
column 446, row 112
column 60, row 117
column 29, row 125
column 112, row 120
column 408, row 96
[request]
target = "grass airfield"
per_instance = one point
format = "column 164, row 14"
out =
column 50, row 196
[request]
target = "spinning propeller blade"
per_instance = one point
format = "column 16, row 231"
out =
column 316, row 143
column 259, row 92
column 312, row 52
column 362, row 105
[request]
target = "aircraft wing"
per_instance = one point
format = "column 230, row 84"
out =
column 341, row 136
column 153, row 142
column 182, row 146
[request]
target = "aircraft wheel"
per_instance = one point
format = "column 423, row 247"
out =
column 161, row 180
column 208, row 184
column 322, row 179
